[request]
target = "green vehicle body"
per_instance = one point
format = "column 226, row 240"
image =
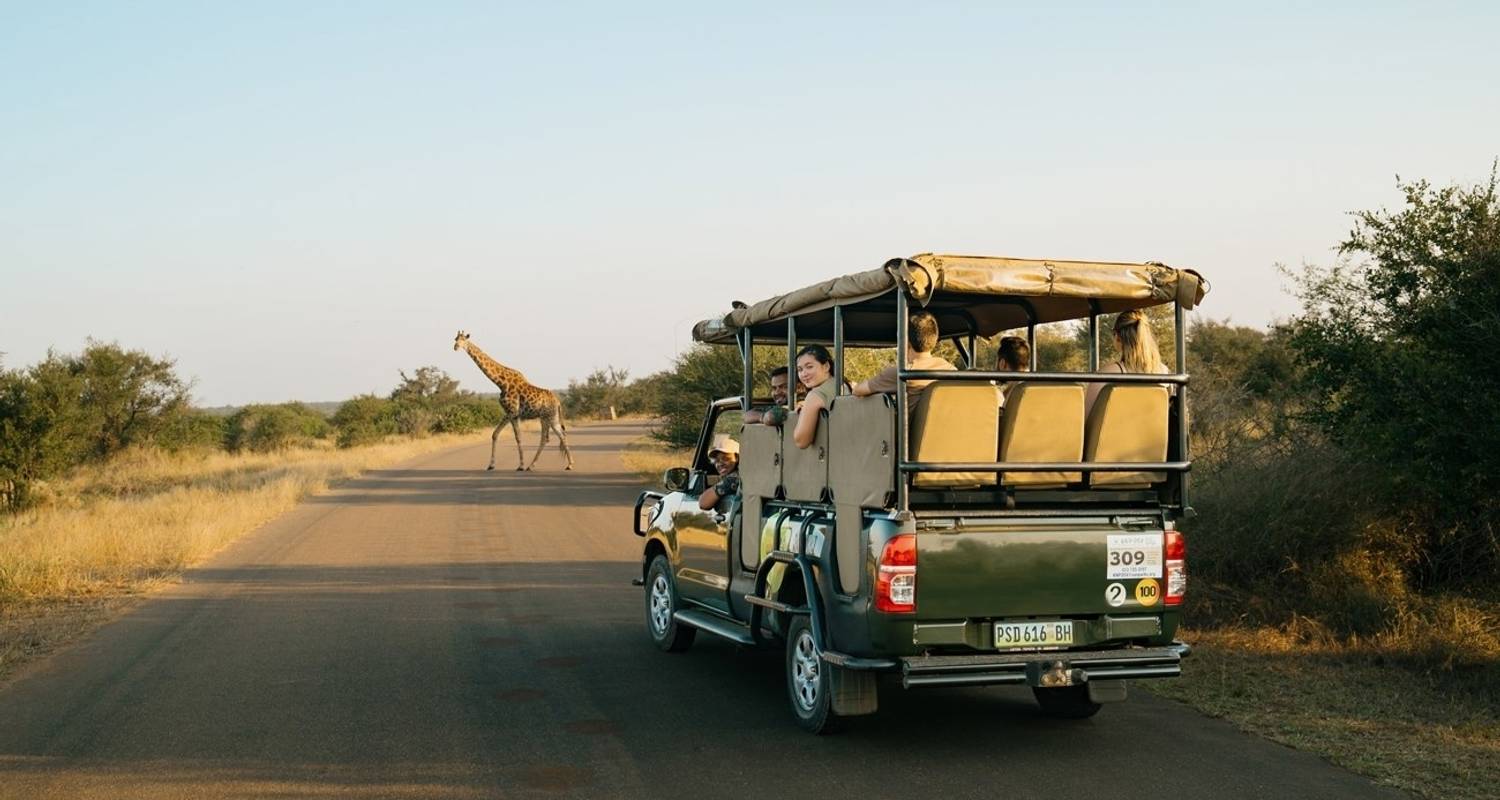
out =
column 988, row 566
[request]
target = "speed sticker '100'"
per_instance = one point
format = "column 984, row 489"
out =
column 1133, row 555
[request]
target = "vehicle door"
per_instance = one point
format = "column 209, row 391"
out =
column 703, row 537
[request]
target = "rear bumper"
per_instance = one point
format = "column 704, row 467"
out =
column 1048, row 669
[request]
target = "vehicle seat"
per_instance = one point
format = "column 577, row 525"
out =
column 955, row 421
column 1042, row 422
column 804, row 472
column 1127, row 423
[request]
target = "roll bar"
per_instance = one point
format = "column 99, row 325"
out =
column 906, row 467
column 903, row 404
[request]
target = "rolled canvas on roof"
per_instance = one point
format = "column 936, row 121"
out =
column 1056, row 290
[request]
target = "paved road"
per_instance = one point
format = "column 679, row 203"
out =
column 439, row 631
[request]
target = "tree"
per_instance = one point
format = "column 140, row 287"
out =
column 1400, row 348
column 428, row 385
column 69, row 409
column 420, row 400
column 595, row 395
column 127, row 394
column 700, row 374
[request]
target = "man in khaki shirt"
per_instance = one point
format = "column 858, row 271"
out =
column 921, row 338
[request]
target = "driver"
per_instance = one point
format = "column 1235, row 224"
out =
column 725, row 453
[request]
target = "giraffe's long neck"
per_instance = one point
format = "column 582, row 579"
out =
column 507, row 379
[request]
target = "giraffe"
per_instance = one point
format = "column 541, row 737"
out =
column 521, row 401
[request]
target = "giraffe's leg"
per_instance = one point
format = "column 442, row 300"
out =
column 562, row 442
column 494, row 438
column 546, row 421
column 515, row 427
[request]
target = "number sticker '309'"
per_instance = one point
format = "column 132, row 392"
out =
column 1133, row 555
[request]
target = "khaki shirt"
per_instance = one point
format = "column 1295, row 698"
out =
column 827, row 390
column 885, row 380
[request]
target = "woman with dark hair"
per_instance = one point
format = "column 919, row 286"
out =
column 815, row 371
column 1014, row 356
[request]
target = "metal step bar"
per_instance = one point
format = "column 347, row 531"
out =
column 1036, row 667
column 718, row 626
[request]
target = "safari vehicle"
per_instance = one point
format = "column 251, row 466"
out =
column 967, row 545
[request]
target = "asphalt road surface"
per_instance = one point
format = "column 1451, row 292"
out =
column 435, row 630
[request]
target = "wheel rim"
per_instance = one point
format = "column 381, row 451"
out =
column 660, row 611
column 805, row 672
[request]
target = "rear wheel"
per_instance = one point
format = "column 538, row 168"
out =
column 1067, row 702
column 808, row 679
column 661, row 603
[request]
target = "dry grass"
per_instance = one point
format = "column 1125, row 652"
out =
column 1361, row 703
column 149, row 514
column 648, row 459
column 115, row 530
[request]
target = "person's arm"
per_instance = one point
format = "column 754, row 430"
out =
column 884, row 381
column 807, row 423
column 753, row 416
column 728, row 485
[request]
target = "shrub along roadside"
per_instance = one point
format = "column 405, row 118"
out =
column 69, row 410
column 267, row 428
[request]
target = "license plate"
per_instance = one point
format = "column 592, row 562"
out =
column 1034, row 635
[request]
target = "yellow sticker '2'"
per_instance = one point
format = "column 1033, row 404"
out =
column 1147, row 592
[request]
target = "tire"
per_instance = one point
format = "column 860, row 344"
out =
column 661, row 603
column 809, row 680
column 1066, row 702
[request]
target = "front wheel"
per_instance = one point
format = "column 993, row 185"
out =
column 1068, row 702
column 661, row 603
column 808, row 679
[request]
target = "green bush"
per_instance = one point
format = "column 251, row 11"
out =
column 595, row 395
column 414, row 418
column 429, row 401
column 269, row 428
column 192, row 430
column 427, row 386
column 364, row 420
column 608, row 388
column 463, row 416
column 68, row 409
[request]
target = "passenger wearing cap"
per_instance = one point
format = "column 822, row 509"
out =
column 725, row 453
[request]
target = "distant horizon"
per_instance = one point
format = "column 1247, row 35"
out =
column 296, row 201
column 1193, row 317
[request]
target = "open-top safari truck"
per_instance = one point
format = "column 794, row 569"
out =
column 969, row 544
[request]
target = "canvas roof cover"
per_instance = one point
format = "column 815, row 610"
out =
column 982, row 293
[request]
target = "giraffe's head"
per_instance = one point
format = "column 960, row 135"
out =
column 461, row 341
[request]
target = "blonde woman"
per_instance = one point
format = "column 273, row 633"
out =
column 1137, row 349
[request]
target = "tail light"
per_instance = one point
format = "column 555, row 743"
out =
column 896, row 581
column 1176, row 557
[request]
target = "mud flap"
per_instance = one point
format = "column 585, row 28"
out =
column 1106, row 691
column 855, row 692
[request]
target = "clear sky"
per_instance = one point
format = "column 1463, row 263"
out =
column 294, row 200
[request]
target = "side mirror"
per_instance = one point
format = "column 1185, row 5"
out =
column 676, row 479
